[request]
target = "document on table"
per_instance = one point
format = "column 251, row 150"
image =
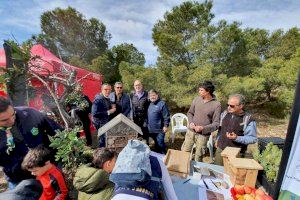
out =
column 215, row 187
column 210, row 189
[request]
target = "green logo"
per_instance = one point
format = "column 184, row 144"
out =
column 34, row 131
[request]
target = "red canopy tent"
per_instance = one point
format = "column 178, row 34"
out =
column 49, row 63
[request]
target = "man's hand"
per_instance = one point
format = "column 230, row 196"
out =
column 165, row 129
column 112, row 110
column 198, row 128
column 216, row 144
column 192, row 126
column 231, row 136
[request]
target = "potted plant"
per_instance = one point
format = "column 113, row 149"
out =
column 270, row 159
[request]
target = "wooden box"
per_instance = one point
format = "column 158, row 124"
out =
column 243, row 171
column 178, row 162
column 229, row 152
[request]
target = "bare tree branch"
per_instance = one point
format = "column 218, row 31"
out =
column 54, row 97
column 84, row 77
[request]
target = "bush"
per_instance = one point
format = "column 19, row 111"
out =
column 69, row 148
column 270, row 160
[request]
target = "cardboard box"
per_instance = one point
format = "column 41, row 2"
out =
column 178, row 162
column 226, row 153
column 243, row 171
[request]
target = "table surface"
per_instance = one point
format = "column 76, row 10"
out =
column 188, row 190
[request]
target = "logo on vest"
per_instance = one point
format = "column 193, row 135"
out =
column 34, row 131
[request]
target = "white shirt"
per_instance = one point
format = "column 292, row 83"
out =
column 169, row 191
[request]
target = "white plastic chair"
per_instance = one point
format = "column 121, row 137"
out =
column 210, row 146
column 177, row 121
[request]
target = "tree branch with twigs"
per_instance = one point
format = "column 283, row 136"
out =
column 34, row 65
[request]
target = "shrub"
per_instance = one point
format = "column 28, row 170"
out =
column 69, row 148
column 270, row 160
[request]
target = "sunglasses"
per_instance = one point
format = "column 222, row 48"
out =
column 231, row 106
column 119, row 87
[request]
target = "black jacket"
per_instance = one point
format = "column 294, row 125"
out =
column 30, row 130
column 100, row 107
column 139, row 108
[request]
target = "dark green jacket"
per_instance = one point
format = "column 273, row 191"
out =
column 93, row 183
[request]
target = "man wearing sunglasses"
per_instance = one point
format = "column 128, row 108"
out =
column 21, row 128
column 121, row 100
column 237, row 128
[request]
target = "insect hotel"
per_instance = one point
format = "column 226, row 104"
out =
column 118, row 131
column 242, row 171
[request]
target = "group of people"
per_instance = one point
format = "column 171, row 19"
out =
column 25, row 153
column 135, row 173
column 146, row 109
column 235, row 126
column 30, row 169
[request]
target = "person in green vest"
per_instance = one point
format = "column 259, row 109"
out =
column 92, row 180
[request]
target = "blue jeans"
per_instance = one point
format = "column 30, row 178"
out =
column 102, row 141
column 159, row 140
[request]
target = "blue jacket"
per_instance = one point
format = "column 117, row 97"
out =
column 123, row 106
column 100, row 107
column 30, row 130
column 158, row 116
column 249, row 134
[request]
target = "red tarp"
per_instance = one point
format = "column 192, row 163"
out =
column 51, row 64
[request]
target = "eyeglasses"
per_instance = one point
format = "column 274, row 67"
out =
column 231, row 106
column 119, row 87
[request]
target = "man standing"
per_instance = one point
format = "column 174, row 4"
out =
column 158, row 121
column 80, row 104
column 21, row 128
column 204, row 118
column 102, row 109
column 140, row 104
column 237, row 128
column 121, row 100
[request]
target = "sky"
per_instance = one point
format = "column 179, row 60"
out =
column 131, row 21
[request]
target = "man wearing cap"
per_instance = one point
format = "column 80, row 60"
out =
column 237, row 128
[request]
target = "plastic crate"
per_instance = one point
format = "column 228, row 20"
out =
column 262, row 142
